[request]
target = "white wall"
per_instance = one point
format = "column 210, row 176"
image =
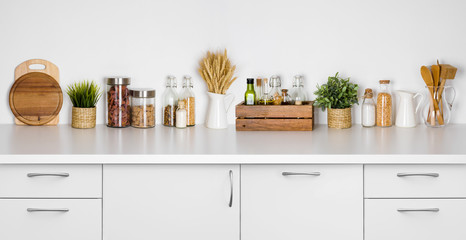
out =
column 367, row 40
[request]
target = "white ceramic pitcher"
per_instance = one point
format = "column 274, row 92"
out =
column 406, row 113
column 217, row 112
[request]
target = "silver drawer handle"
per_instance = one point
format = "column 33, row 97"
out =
column 418, row 174
column 300, row 174
column 48, row 210
column 418, row 210
column 48, row 175
column 230, row 204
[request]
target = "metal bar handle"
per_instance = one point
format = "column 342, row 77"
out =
column 418, row 210
column 301, row 174
column 418, row 174
column 48, row 210
column 230, row 204
column 48, row 174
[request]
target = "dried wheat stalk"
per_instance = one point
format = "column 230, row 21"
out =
column 217, row 72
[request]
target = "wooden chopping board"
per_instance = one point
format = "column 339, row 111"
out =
column 36, row 97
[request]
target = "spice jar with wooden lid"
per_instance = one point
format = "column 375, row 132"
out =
column 384, row 105
column 118, row 105
column 143, row 108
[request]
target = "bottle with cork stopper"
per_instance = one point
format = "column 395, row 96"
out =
column 384, row 105
column 368, row 112
column 181, row 115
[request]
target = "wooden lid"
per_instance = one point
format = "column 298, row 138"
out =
column 36, row 98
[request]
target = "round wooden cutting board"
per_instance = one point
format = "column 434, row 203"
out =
column 36, row 97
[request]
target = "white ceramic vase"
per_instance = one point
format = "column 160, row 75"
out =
column 217, row 110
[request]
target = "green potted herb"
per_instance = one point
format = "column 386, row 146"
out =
column 84, row 96
column 338, row 95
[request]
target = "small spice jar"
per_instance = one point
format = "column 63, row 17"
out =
column 118, row 104
column 384, row 105
column 181, row 115
column 143, row 108
column 286, row 100
column 368, row 115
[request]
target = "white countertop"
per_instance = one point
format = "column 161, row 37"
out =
column 199, row 145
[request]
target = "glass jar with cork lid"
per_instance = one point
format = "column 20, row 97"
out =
column 368, row 107
column 384, row 105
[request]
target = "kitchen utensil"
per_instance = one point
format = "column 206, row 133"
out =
column 436, row 76
column 446, row 100
column 406, row 113
column 427, row 76
column 36, row 97
column 447, row 71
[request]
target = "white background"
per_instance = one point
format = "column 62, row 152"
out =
column 367, row 40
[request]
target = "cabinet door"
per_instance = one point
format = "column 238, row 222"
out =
column 301, row 202
column 148, row 202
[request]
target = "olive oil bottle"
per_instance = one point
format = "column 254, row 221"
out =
column 250, row 94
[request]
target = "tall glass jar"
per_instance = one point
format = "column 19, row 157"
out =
column 276, row 90
column 169, row 102
column 143, row 108
column 368, row 107
column 298, row 94
column 187, row 96
column 384, row 105
column 118, row 104
column 259, row 90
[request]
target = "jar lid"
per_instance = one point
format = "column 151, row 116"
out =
column 118, row 80
column 143, row 92
column 384, row 81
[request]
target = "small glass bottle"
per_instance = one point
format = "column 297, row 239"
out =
column 286, row 98
column 368, row 107
column 259, row 90
column 250, row 94
column 143, row 108
column 187, row 96
column 384, row 105
column 265, row 98
column 276, row 91
column 298, row 94
column 118, row 104
column 169, row 103
column 181, row 115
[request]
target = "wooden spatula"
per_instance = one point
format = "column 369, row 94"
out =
column 436, row 75
column 428, row 79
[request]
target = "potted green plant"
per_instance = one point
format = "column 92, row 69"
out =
column 84, row 96
column 338, row 95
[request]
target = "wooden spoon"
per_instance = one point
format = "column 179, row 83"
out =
column 428, row 79
column 436, row 75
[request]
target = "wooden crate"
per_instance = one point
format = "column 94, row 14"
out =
column 275, row 117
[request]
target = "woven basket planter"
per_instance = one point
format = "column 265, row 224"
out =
column 339, row 118
column 83, row 117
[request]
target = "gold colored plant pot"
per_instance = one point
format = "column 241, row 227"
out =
column 83, row 117
column 339, row 118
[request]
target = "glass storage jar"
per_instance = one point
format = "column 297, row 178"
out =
column 143, row 108
column 384, row 105
column 276, row 91
column 298, row 94
column 170, row 101
column 368, row 115
column 187, row 96
column 118, row 105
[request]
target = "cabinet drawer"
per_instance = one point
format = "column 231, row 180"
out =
column 388, row 219
column 415, row 181
column 22, row 219
column 50, row 181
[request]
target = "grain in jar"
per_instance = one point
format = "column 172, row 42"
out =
column 143, row 108
column 384, row 105
column 169, row 103
column 187, row 95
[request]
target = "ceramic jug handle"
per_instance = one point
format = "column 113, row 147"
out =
column 420, row 101
column 232, row 96
column 450, row 104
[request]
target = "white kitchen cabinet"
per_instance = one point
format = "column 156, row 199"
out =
column 411, row 219
column 50, row 219
column 302, row 202
column 171, row 202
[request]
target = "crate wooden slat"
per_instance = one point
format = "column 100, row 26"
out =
column 275, row 117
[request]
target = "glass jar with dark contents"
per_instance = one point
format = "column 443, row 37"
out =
column 118, row 104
